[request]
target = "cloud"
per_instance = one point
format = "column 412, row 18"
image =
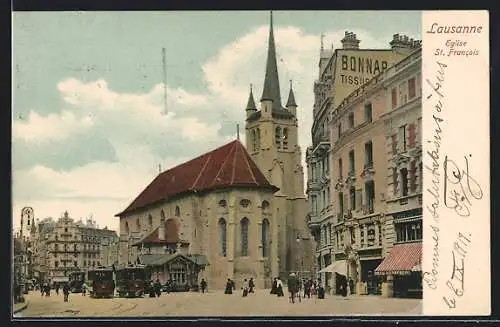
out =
column 53, row 127
column 137, row 134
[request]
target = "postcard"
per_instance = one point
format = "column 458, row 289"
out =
column 250, row 164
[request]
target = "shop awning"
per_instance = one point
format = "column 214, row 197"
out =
column 339, row 267
column 402, row 260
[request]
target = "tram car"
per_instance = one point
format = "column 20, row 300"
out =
column 76, row 280
column 101, row 283
column 133, row 281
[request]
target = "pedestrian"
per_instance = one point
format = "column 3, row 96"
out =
column 244, row 287
column 152, row 292
column 42, row 289
column 57, row 288
column 84, row 289
column 279, row 288
column 158, row 288
column 351, row 285
column 203, row 285
column 251, row 285
column 344, row 287
column 66, row 292
column 274, row 288
column 47, row 290
column 321, row 291
column 292, row 287
column 229, row 287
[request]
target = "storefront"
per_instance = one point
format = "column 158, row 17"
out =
column 178, row 268
column 402, row 271
column 336, row 272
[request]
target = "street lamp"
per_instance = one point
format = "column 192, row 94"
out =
column 298, row 254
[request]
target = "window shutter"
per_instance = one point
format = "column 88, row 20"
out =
column 359, row 199
column 411, row 88
column 411, row 135
column 394, row 98
column 394, row 143
column 395, row 181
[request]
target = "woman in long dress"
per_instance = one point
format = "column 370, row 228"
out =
column 245, row 287
column 274, row 289
column 279, row 285
column 229, row 287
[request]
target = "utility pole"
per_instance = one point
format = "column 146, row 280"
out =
column 164, row 64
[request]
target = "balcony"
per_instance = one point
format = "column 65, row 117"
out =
column 404, row 203
column 313, row 185
column 313, row 222
column 339, row 185
column 351, row 177
column 368, row 172
column 367, row 209
column 325, row 178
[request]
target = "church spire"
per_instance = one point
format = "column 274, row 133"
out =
column 291, row 98
column 251, row 102
column 271, row 82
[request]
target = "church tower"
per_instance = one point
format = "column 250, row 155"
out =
column 272, row 141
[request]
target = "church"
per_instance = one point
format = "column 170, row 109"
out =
column 233, row 212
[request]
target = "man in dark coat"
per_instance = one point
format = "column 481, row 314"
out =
column 251, row 285
column 66, row 292
column 293, row 287
column 351, row 286
column 203, row 285
column 157, row 287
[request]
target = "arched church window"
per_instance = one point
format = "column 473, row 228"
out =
column 277, row 137
column 265, row 205
column 177, row 211
column 244, row 237
column 285, row 138
column 222, row 203
column 222, row 236
column 150, row 221
column 127, row 230
column 265, row 238
column 138, row 225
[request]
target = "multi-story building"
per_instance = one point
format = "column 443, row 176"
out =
column 401, row 268
column 66, row 245
column 333, row 186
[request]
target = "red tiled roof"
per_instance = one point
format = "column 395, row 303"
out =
column 228, row 166
column 402, row 259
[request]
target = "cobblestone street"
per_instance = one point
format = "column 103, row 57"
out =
column 215, row 303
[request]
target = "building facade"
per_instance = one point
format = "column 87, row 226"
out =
column 65, row 245
column 215, row 210
column 347, row 183
column 403, row 213
column 272, row 141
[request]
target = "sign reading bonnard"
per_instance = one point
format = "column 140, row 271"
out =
column 356, row 67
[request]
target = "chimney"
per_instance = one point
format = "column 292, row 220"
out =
column 161, row 230
column 402, row 43
column 350, row 41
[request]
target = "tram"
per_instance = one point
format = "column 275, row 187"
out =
column 133, row 281
column 101, row 282
column 76, row 280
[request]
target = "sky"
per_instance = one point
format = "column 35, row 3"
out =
column 89, row 124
